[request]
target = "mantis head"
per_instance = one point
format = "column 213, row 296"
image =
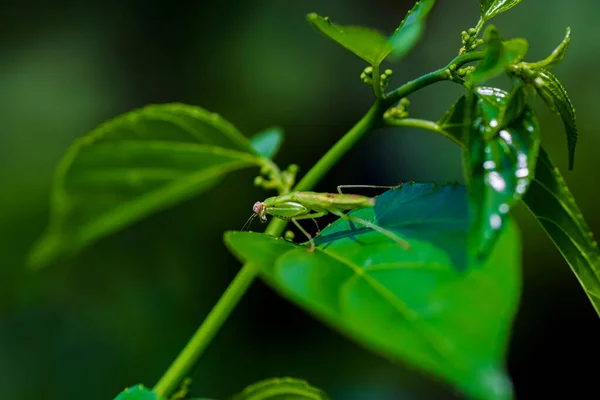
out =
column 259, row 209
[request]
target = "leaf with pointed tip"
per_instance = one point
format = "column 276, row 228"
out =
column 369, row 44
column 421, row 306
column 281, row 389
column 550, row 200
column 138, row 392
column 557, row 55
column 498, row 56
column 410, row 30
column 267, row 142
column 553, row 205
column 135, row 165
column 491, row 8
column 556, row 98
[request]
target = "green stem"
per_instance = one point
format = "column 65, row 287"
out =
column 423, row 124
column 187, row 359
column 377, row 82
column 430, row 78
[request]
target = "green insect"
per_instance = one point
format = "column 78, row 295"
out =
column 296, row 206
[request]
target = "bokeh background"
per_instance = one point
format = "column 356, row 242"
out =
column 118, row 313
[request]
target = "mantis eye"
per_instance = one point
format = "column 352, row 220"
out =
column 257, row 207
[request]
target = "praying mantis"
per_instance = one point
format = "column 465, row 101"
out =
column 296, row 206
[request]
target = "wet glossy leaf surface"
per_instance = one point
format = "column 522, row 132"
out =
column 410, row 30
column 138, row 392
column 426, row 306
column 369, row 44
column 556, row 98
column 281, row 389
column 134, row 165
column 502, row 149
column 498, row 56
column 491, row 8
column 550, row 200
column 267, row 142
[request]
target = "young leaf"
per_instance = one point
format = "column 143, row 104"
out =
column 135, row 165
column 491, row 8
column 422, row 306
column 550, row 200
column 502, row 149
column 369, row 44
column 138, row 392
column 557, row 55
column 410, row 30
column 267, row 142
column 281, row 389
column 498, row 56
column 556, row 98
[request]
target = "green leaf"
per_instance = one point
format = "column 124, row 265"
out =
column 281, row 389
column 267, row 142
column 135, row 165
column 557, row 55
column 369, row 44
column 556, row 98
column 502, row 148
column 498, row 56
column 491, row 8
column 550, row 200
column 410, row 30
column 138, row 392
column 423, row 306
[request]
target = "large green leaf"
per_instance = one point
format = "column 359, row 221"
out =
column 135, row 165
column 556, row 98
column 498, row 56
column 550, row 200
column 281, row 389
column 138, row 392
column 426, row 306
column 267, row 142
column 491, row 8
column 410, row 30
column 369, row 44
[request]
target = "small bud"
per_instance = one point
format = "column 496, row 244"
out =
column 368, row 70
column 388, row 72
column 472, row 31
column 258, row 181
column 289, row 235
column 293, row 168
column 265, row 169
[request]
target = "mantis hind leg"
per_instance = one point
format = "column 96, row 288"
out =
column 340, row 187
column 308, row 235
column 402, row 242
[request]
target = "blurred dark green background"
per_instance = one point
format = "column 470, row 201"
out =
column 120, row 312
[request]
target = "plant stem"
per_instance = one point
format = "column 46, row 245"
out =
column 430, row 78
column 189, row 356
column 423, row 124
column 376, row 82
